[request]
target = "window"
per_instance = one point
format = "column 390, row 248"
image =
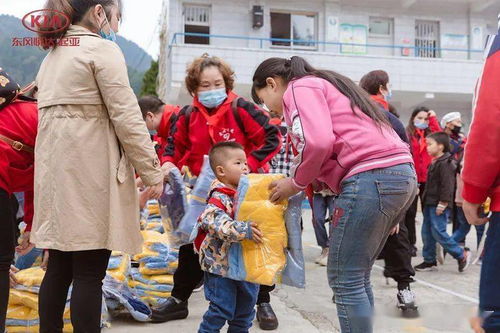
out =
column 380, row 26
column 299, row 27
column 196, row 20
column 427, row 39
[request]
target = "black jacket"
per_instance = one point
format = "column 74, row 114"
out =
column 441, row 178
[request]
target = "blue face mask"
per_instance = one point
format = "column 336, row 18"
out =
column 421, row 126
column 109, row 36
column 388, row 97
column 153, row 132
column 212, row 98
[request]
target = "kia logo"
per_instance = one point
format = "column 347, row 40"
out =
column 46, row 21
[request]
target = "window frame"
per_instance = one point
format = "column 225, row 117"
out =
column 291, row 13
column 186, row 23
column 391, row 27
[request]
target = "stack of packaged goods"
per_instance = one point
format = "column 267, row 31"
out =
column 22, row 313
column 150, row 217
column 119, row 266
column 152, row 281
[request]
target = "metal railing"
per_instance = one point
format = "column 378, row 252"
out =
column 311, row 45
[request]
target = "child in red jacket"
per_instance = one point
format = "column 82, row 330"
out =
column 159, row 118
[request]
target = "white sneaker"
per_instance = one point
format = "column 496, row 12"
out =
column 440, row 254
column 323, row 259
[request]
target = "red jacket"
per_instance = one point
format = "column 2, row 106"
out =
column 19, row 121
column 188, row 144
column 418, row 148
column 168, row 117
column 481, row 173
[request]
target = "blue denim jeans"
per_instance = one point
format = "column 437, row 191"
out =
column 321, row 205
column 464, row 228
column 230, row 301
column 370, row 205
column 434, row 231
column 489, row 288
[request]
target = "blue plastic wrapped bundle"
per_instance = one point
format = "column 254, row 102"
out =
column 117, row 294
column 173, row 202
column 197, row 201
column 294, row 273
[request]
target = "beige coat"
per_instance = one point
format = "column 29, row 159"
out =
column 91, row 136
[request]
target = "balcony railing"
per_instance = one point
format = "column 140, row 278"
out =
column 344, row 48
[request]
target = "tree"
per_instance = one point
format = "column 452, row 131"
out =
column 149, row 80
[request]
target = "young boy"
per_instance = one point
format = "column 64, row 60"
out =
column 438, row 196
column 159, row 117
column 230, row 301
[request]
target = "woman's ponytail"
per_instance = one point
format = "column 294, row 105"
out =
column 50, row 35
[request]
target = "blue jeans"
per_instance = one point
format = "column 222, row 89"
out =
column 370, row 205
column 231, row 301
column 434, row 231
column 321, row 205
column 489, row 288
column 464, row 228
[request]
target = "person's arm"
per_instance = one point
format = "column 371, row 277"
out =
column 261, row 133
column 28, row 209
column 312, row 128
column 434, row 122
column 482, row 151
column 177, row 142
column 110, row 72
column 217, row 222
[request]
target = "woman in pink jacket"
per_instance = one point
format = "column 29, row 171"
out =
column 344, row 141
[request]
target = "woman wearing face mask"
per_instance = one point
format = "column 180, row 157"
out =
column 216, row 114
column 452, row 125
column 91, row 137
column 345, row 141
column 422, row 122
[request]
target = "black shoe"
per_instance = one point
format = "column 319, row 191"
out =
column 464, row 263
column 426, row 267
column 170, row 310
column 266, row 317
column 406, row 299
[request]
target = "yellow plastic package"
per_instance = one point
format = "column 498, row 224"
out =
column 120, row 273
column 262, row 262
column 30, row 277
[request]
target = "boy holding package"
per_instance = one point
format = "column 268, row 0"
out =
column 230, row 301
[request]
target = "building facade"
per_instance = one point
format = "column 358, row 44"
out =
column 432, row 49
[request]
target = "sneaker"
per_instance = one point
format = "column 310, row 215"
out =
column 440, row 254
column 323, row 261
column 406, row 299
column 464, row 263
column 321, row 258
column 426, row 267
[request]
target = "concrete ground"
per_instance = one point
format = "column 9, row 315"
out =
column 446, row 300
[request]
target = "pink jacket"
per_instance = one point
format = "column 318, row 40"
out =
column 332, row 141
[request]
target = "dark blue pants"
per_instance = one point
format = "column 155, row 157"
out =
column 489, row 289
column 230, row 301
column 464, row 228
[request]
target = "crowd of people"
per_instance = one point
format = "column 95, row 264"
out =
column 86, row 153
